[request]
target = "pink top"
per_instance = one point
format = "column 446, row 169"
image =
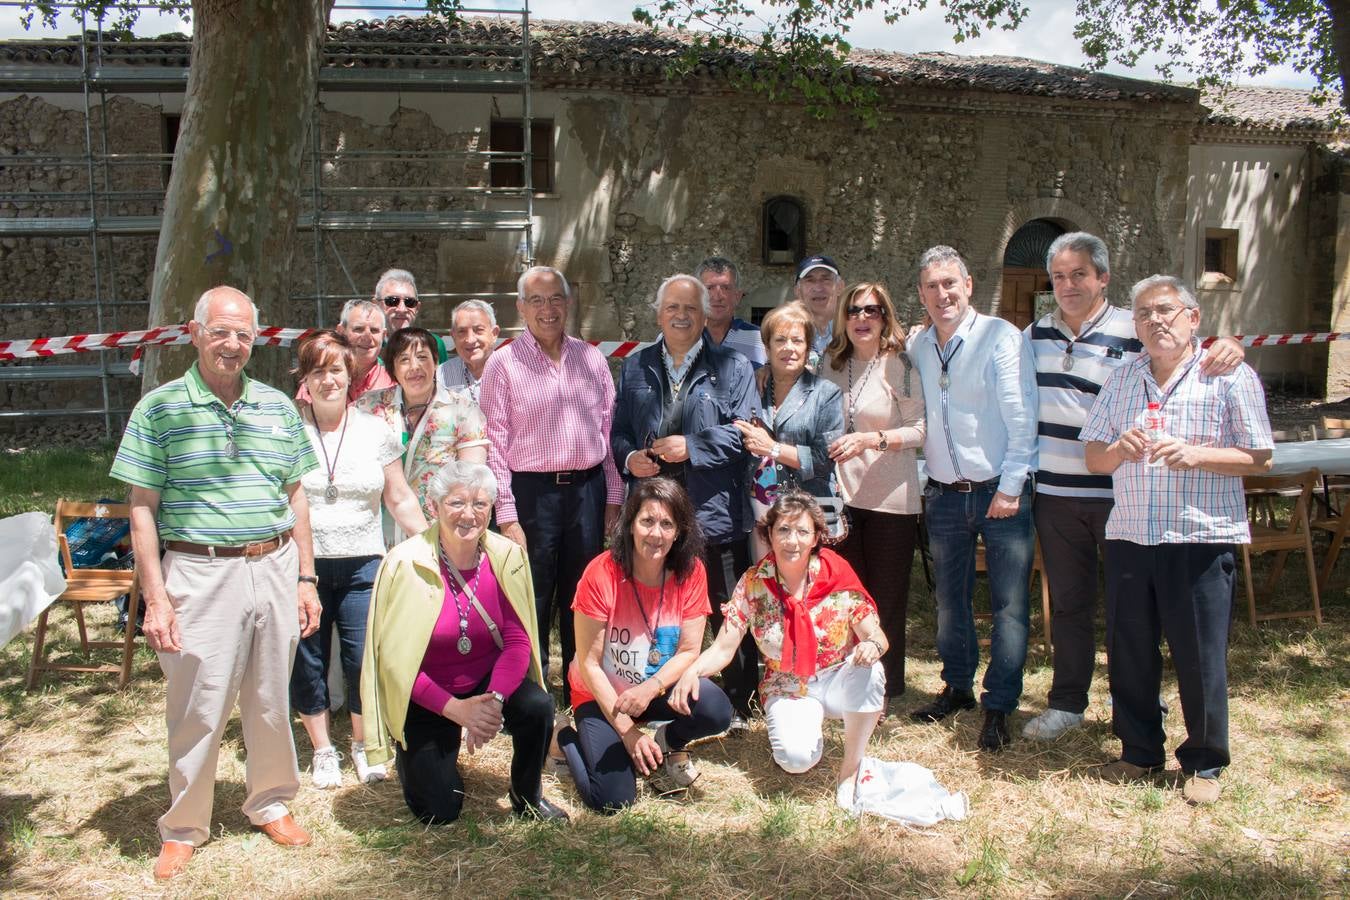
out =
column 543, row 417
column 376, row 378
column 446, row 672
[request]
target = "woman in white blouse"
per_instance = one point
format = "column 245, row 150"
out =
column 360, row 466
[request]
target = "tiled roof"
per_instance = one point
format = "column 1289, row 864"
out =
column 1268, row 107
column 571, row 50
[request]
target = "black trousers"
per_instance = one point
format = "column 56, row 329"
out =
column 564, row 527
column 1183, row 592
column 428, row 769
column 1072, row 531
column 726, row 563
column 880, row 548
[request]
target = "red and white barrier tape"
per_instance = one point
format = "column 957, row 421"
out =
column 36, row 348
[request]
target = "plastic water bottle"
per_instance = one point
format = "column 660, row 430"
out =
column 1152, row 422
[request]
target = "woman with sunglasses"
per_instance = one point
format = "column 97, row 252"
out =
column 436, row 425
column 875, row 458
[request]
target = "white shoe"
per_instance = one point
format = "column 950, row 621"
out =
column 682, row 771
column 326, row 771
column 1051, row 724
column 366, row 773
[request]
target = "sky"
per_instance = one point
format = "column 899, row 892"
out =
column 1047, row 34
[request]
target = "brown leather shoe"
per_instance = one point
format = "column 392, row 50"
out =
column 285, row 832
column 173, row 859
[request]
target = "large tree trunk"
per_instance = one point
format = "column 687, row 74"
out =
column 1339, row 10
column 231, row 204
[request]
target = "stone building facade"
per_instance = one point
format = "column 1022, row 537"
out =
column 649, row 175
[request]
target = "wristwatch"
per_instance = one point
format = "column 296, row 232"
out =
column 308, row 579
column 497, row 695
column 775, row 451
column 882, row 443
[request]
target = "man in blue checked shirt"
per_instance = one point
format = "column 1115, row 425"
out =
column 979, row 390
column 1179, row 510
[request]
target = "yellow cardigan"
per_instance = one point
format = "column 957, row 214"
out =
column 404, row 607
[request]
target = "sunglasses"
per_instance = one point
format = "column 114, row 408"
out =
column 393, row 302
column 871, row 311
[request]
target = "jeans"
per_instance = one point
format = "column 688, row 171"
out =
column 954, row 521
column 725, row 564
column 345, row 584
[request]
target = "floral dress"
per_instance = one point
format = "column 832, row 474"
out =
column 452, row 423
column 833, row 617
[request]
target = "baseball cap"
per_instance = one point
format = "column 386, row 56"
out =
column 818, row 261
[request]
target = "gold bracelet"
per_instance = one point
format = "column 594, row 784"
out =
column 660, row 685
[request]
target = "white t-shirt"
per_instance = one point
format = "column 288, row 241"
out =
column 350, row 524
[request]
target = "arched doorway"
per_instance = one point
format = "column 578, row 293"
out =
column 1024, row 274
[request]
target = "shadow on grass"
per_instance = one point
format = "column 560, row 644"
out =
column 130, row 822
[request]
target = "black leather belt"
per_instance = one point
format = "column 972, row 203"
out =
column 565, row 477
column 964, row 487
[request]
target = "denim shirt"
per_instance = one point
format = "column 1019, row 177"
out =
column 983, row 425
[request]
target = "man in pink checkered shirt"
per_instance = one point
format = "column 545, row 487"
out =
column 548, row 399
column 1178, row 513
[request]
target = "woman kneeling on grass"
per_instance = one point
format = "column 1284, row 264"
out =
column 819, row 636
column 641, row 607
column 451, row 654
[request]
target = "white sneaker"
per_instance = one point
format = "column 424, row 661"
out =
column 366, row 773
column 1051, row 724
column 682, row 771
column 326, row 772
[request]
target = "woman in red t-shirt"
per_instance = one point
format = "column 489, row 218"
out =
column 641, row 607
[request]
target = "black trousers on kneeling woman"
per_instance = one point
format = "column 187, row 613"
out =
column 428, row 769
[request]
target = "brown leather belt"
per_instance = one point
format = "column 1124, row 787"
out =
column 260, row 548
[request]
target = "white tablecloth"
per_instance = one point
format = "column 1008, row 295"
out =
column 1331, row 457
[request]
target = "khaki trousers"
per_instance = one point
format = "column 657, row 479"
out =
column 239, row 626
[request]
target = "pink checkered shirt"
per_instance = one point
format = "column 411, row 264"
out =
column 1156, row 505
column 547, row 418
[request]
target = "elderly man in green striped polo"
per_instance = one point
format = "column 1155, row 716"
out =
column 221, row 532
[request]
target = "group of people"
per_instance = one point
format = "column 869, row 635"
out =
column 441, row 514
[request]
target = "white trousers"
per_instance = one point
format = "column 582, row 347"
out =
column 239, row 626
column 796, row 723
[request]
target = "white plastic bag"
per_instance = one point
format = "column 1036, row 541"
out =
column 900, row 791
column 30, row 574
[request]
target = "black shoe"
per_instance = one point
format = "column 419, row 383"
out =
column 943, row 705
column 994, row 734
column 543, row 810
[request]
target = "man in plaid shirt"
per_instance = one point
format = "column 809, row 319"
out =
column 1178, row 513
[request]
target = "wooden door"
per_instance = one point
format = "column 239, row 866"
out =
column 1020, row 286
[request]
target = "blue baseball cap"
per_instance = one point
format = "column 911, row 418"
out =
column 818, row 261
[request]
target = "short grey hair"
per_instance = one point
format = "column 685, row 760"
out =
column 360, row 305
column 935, row 256
column 204, row 301
column 717, row 265
column 534, row 271
column 1168, row 282
column 395, row 276
column 484, row 308
column 1081, row 242
column 703, row 299
column 457, row 473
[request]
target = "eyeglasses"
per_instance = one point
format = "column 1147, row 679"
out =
column 409, row 302
column 458, row 506
column 1165, row 312
column 224, row 334
column 871, row 311
column 539, row 302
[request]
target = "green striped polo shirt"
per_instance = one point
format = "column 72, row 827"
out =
column 176, row 443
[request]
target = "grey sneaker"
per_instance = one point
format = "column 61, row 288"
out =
column 365, row 772
column 326, row 771
column 1051, row 724
column 679, row 763
column 739, row 727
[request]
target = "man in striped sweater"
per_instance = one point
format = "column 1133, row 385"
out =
column 1075, row 348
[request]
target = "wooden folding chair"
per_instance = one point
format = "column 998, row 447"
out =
column 1037, row 570
column 1269, row 537
column 88, row 585
column 1336, row 524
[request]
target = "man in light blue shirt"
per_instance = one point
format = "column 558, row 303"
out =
column 979, row 386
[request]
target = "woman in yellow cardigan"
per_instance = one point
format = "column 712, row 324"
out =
column 451, row 654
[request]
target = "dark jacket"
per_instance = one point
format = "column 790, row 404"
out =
column 811, row 417
column 720, row 389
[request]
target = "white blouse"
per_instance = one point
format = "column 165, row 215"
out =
column 349, row 524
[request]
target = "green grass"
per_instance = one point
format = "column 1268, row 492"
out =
column 36, row 479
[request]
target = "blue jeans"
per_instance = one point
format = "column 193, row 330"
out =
column 954, row 521
column 345, row 584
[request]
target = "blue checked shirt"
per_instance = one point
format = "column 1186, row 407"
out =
column 1155, row 504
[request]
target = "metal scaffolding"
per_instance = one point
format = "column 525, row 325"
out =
column 97, row 212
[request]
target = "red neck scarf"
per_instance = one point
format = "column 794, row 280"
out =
column 832, row 575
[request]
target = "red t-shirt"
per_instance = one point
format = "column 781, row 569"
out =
column 607, row 595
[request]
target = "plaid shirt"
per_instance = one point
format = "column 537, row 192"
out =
column 547, row 418
column 1157, row 505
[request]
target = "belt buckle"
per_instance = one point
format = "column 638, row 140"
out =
column 562, row 478
column 964, row 487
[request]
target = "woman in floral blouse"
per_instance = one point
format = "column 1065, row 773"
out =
column 818, row 634
column 437, row 425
